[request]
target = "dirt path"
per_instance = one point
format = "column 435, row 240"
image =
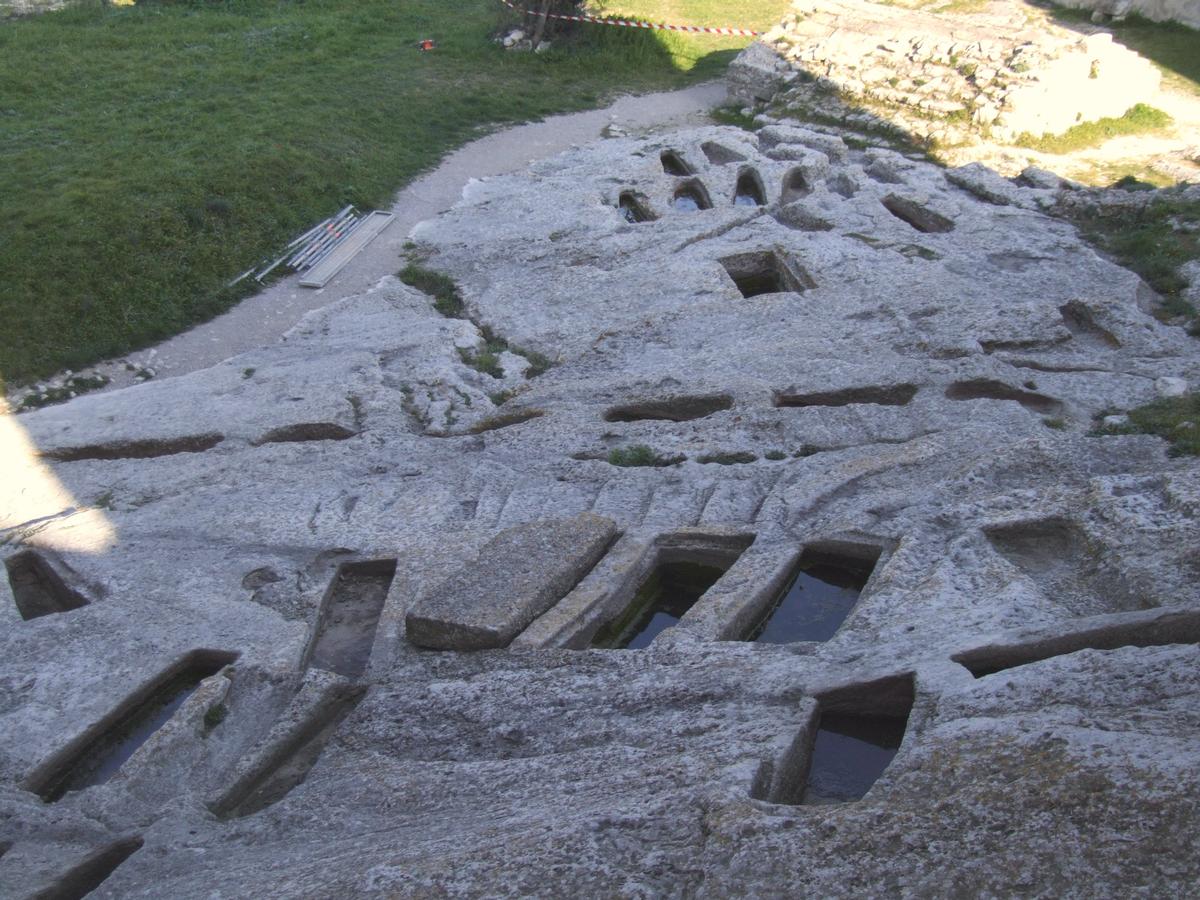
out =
column 264, row 317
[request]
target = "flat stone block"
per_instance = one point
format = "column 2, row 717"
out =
column 520, row 573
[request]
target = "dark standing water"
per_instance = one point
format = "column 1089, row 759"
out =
column 849, row 755
column 660, row 602
column 104, row 756
column 816, row 601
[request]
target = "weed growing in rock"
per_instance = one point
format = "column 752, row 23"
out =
column 486, row 361
column 446, row 298
column 505, row 419
column 1175, row 419
column 72, row 387
column 727, row 459
column 215, row 716
column 775, row 455
column 640, row 455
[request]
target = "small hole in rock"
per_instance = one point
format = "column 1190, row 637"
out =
column 634, row 208
column 882, row 395
column 691, row 196
column 82, row 879
column 350, row 616
column 38, row 588
column 988, row 389
column 720, row 155
column 749, row 190
column 919, row 217
column 795, row 187
column 674, row 164
column 670, row 409
column 766, row 272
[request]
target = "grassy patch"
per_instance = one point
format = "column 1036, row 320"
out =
column 151, row 153
column 72, row 387
column 1176, row 419
column 1138, row 119
column 214, row 716
column 486, row 360
column 446, row 298
column 727, row 459
column 640, row 455
column 503, row 420
column 775, row 455
column 1149, row 243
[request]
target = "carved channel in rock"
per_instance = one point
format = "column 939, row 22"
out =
column 881, row 395
column 691, row 196
column 987, row 389
column 749, row 190
column 1083, row 325
column 795, row 187
column 634, row 207
column 820, row 593
column 38, row 588
column 670, row 409
column 147, row 449
column 98, row 754
column 349, row 616
column 287, row 767
column 853, row 736
column 674, row 164
column 1165, row 630
column 680, row 576
column 919, row 217
column 91, row 872
column 306, row 431
column 766, row 272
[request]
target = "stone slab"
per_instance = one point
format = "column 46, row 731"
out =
column 519, row 574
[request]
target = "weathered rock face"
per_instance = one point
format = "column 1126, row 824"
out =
column 1186, row 12
column 874, row 368
column 949, row 78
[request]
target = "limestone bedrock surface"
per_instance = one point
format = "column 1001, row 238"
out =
column 873, row 358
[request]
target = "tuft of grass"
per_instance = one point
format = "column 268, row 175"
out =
column 486, row 361
column 214, row 716
column 732, row 115
column 1138, row 119
column 446, row 298
column 640, row 455
column 1175, row 419
column 72, row 387
column 505, row 419
column 775, row 455
column 727, row 459
column 1056, row 424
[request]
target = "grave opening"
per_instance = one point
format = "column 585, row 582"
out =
column 919, row 217
column 38, row 588
column 350, row 615
column 288, row 767
column 691, row 196
column 749, row 190
column 681, row 574
column 822, row 590
column 670, row 409
column 766, row 272
column 850, row 752
column 881, row 395
column 98, row 754
column 720, row 155
column 92, row 871
column 795, row 187
column 674, row 164
column 988, row 389
column 633, row 208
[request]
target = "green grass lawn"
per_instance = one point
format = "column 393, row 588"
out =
column 150, row 154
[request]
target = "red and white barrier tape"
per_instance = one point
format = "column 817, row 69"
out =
column 625, row 23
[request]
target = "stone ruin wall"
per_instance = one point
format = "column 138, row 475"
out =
column 942, row 79
column 1185, row 12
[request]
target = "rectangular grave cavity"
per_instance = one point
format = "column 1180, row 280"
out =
column 882, row 395
column 1164, row 630
column 87, row 875
column 37, row 586
column 290, row 761
column 855, row 734
column 670, row 409
column 679, row 575
column 766, row 272
column 919, row 217
column 349, row 616
column 989, row 389
column 98, row 754
column 821, row 592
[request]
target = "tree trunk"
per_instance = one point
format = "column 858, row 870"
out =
column 540, row 28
